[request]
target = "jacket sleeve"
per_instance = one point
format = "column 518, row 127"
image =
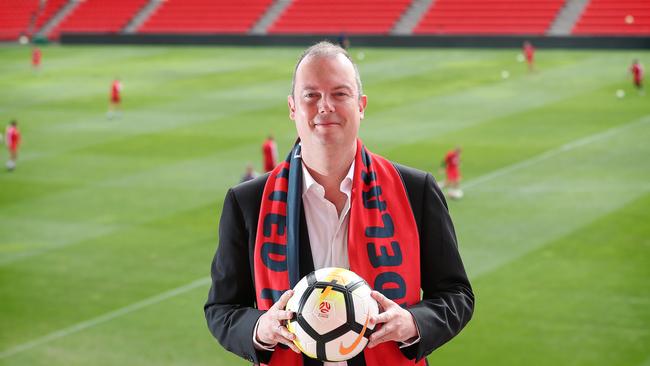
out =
column 448, row 301
column 230, row 309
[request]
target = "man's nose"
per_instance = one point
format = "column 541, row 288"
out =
column 325, row 105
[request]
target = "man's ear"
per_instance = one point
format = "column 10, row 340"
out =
column 292, row 107
column 363, row 102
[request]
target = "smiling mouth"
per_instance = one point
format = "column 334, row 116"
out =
column 326, row 123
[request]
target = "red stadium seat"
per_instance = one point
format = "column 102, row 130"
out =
column 340, row 16
column 205, row 16
column 615, row 17
column 15, row 17
column 491, row 17
column 99, row 16
column 50, row 9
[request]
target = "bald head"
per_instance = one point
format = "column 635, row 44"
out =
column 326, row 50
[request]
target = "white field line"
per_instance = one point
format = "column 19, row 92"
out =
column 104, row 318
column 206, row 280
column 557, row 151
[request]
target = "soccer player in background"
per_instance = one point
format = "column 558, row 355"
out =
column 529, row 53
column 343, row 41
column 36, row 58
column 250, row 173
column 451, row 163
column 12, row 138
column 637, row 74
column 116, row 98
column 270, row 154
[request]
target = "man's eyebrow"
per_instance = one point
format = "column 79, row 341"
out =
column 342, row 86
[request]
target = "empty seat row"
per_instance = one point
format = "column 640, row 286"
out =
column 489, row 17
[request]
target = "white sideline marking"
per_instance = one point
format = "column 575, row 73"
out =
column 104, row 318
column 206, row 280
column 554, row 152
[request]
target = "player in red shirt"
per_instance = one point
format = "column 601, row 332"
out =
column 451, row 163
column 637, row 73
column 36, row 58
column 116, row 90
column 270, row 153
column 529, row 53
column 12, row 138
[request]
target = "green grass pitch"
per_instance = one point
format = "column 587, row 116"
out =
column 108, row 227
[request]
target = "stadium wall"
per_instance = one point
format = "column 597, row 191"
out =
column 567, row 42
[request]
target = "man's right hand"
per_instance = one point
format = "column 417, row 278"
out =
column 270, row 330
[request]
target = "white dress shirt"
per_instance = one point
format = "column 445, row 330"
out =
column 328, row 231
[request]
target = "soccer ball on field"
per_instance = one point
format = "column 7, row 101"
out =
column 333, row 307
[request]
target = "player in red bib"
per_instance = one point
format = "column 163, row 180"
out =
column 451, row 163
column 637, row 73
column 529, row 53
column 12, row 137
column 36, row 58
column 270, row 153
column 114, row 107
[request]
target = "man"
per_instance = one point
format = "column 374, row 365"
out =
column 529, row 53
column 250, row 173
column 12, row 138
column 637, row 74
column 451, row 164
column 269, row 154
column 36, row 58
column 116, row 98
column 343, row 41
column 332, row 203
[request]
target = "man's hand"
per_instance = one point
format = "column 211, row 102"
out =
column 270, row 330
column 398, row 324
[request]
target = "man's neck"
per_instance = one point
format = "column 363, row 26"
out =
column 329, row 167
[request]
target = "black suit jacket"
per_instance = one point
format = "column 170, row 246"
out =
column 447, row 304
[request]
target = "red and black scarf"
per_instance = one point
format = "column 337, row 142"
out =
column 383, row 241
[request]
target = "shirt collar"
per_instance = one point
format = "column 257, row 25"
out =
column 309, row 183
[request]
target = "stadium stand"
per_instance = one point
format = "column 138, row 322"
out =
column 340, row 16
column 530, row 17
column 205, row 16
column 614, row 17
column 99, row 16
column 48, row 11
column 15, row 17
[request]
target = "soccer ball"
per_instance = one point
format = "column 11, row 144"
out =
column 620, row 93
column 333, row 307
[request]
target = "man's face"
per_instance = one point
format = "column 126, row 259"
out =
column 325, row 105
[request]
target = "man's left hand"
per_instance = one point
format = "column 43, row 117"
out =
column 397, row 323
